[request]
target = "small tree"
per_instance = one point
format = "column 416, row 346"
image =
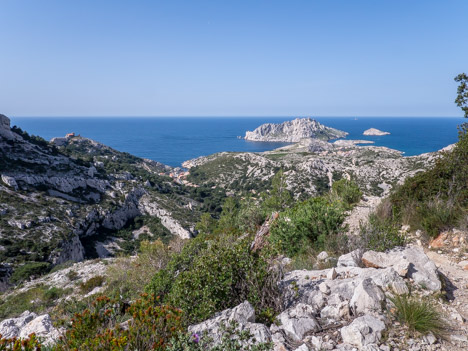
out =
column 462, row 93
column 280, row 197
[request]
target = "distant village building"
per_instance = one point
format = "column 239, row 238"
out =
column 70, row 135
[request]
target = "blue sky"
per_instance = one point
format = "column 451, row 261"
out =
column 231, row 58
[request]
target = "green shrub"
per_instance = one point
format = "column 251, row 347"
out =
column 128, row 275
column 213, row 273
column 91, row 283
column 232, row 339
column 419, row 315
column 36, row 299
column 309, row 223
column 28, row 270
column 380, row 235
column 437, row 198
column 152, row 326
column 347, row 190
column 14, row 344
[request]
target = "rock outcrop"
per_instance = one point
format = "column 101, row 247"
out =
column 294, row 131
column 373, row 131
column 28, row 323
column 342, row 308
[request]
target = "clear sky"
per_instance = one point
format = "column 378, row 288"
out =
column 231, row 58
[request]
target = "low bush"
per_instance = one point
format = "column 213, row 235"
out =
column 436, row 199
column 29, row 269
column 36, row 299
column 14, row 344
column 347, row 191
column 419, row 315
column 91, row 283
column 379, row 235
column 127, row 275
column 152, row 326
column 213, row 273
column 232, row 339
column 309, row 223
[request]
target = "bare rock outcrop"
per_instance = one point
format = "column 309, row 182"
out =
column 294, row 131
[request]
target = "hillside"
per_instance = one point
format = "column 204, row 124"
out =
column 303, row 256
column 81, row 200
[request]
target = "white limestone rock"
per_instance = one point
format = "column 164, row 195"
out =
column 363, row 331
column 294, row 131
column 367, row 298
column 243, row 315
column 374, row 131
column 297, row 321
column 419, row 267
column 352, row 259
column 28, row 323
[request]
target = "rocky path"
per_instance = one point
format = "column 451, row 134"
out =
column 456, row 282
column 360, row 213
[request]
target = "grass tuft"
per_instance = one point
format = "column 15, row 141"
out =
column 419, row 315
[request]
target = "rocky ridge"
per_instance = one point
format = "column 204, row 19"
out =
column 310, row 167
column 62, row 203
column 294, row 131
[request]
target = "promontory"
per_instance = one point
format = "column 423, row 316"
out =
column 294, row 131
column 374, row 131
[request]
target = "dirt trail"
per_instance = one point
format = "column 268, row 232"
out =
column 457, row 293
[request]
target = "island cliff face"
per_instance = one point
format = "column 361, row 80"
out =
column 374, row 131
column 294, row 131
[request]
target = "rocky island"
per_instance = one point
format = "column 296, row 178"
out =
column 374, row 131
column 294, row 131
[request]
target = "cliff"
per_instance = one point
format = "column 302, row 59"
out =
column 373, row 131
column 293, row 131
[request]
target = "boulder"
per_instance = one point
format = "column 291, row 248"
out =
column 367, row 298
column 363, row 331
column 297, row 321
column 352, row 259
column 244, row 317
column 376, row 259
column 420, row 268
column 28, row 323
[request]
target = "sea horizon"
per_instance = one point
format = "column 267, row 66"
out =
column 167, row 140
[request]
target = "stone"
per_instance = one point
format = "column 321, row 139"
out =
column 243, row 315
column 421, row 269
column 322, row 256
column 367, row 298
column 28, row 323
column 324, row 288
column 382, row 260
column 297, row 321
column 430, row 339
column 363, row 331
column 43, row 328
column 335, row 312
column 439, row 241
column 10, row 181
column 351, row 259
column 332, row 274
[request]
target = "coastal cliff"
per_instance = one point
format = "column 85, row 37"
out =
column 294, row 131
column 374, row 131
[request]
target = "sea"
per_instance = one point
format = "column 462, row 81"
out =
column 173, row 140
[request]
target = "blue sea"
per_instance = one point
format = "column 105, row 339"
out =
column 172, row 140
